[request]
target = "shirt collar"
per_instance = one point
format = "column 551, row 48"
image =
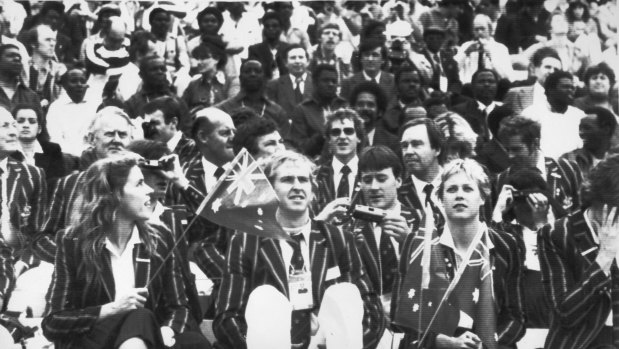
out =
column 368, row 78
column 420, row 185
column 294, row 79
column 4, row 163
column 209, row 167
column 157, row 212
column 305, row 230
column 133, row 240
column 173, row 142
column 541, row 165
column 447, row 239
column 594, row 234
column 352, row 164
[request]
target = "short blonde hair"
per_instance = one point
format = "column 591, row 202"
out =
column 107, row 112
column 472, row 169
column 278, row 159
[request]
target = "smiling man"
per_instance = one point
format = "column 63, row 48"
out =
column 291, row 89
column 303, row 274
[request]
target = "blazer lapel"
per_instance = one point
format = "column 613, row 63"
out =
column 141, row 265
column 368, row 248
column 583, row 238
column 15, row 173
column 106, row 276
column 408, row 195
column 318, row 260
column 273, row 258
column 195, row 174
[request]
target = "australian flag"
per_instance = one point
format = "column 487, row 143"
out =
column 244, row 200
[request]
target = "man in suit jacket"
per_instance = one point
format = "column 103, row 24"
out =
column 373, row 57
column 370, row 102
column 579, row 272
column 291, row 89
column 409, row 89
column 254, row 261
column 544, row 62
column 437, row 65
column 270, row 52
column 162, row 116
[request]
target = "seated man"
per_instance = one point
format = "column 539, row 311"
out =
column 372, row 59
column 319, row 253
column 260, row 137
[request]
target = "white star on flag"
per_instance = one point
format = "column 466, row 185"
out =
column 411, row 293
column 476, row 295
column 216, row 205
column 415, row 307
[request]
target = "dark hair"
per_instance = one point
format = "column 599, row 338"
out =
column 602, row 185
column 5, row 47
column 543, row 53
column 569, row 14
column 211, row 11
column 406, row 68
column 553, row 79
column 146, row 60
column 435, row 135
column 139, row 43
column 169, row 106
column 214, row 45
column 346, row 113
column 605, row 119
column 370, row 27
column 527, row 179
column 529, row 129
column 43, row 135
column 57, row 6
column 155, row 11
column 601, row 68
column 242, row 115
column 272, row 15
column 293, row 47
column 318, row 69
column 330, row 25
column 485, row 70
column 201, row 123
column 244, row 63
column 76, row 66
column 496, row 116
column 370, row 44
column 31, row 38
column 378, row 158
column 149, row 149
column 373, row 88
column 248, row 132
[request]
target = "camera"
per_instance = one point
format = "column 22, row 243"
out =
column 368, row 213
column 162, row 164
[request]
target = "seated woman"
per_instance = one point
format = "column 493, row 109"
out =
column 115, row 283
column 463, row 291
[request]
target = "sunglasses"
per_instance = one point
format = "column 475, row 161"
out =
column 336, row 132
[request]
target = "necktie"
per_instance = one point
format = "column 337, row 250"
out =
column 480, row 57
column 438, row 216
column 344, row 187
column 301, row 328
column 218, row 172
column 389, row 262
column 298, row 94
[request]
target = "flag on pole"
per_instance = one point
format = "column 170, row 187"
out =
column 244, row 200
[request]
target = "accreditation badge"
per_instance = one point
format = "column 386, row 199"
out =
column 300, row 286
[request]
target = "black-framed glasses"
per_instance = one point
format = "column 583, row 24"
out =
column 336, row 132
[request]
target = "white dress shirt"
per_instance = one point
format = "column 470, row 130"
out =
column 376, row 79
column 420, row 185
column 287, row 250
column 539, row 94
column 498, row 59
column 559, row 133
column 209, row 174
column 29, row 158
column 68, row 122
column 173, row 142
column 122, row 264
column 301, row 83
column 337, row 165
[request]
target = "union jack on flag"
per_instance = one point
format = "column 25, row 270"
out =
column 244, row 200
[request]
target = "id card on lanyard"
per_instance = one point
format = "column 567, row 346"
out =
column 300, row 286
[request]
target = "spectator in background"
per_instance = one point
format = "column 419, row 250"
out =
column 210, row 84
column 260, row 137
column 460, row 139
column 326, row 51
column 44, row 71
column 543, row 62
column 578, row 13
column 558, row 119
column 444, row 16
column 270, row 52
column 70, row 115
column 142, row 45
column 293, row 88
column 12, row 89
column 370, row 102
column 596, row 130
column 373, row 62
column 253, row 96
column 492, row 154
column 35, row 145
column 97, row 33
column 22, row 49
column 409, row 93
column 599, row 80
column 494, row 55
column 307, row 127
column 529, row 26
column 437, row 64
column 291, row 33
column 240, row 30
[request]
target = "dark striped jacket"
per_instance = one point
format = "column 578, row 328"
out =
column 74, row 304
column 507, row 264
column 7, row 271
column 326, row 189
column 408, row 196
column 27, row 198
column 578, row 289
column 253, row 261
column 186, row 150
column 563, row 178
column 212, row 239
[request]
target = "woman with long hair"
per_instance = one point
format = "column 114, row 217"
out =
column 115, row 283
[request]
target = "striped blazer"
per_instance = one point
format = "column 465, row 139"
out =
column 253, row 261
column 326, row 189
column 211, row 238
column 74, row 304
column 408, row 196
column 186, row 150
column 563, row 178
column 7, row 271
column 62, row 194
column 507, row 261
column 27, row 199
column 578, row 289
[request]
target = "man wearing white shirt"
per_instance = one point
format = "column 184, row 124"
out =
column 291, row 89
column 494, row 55
column 559, row 120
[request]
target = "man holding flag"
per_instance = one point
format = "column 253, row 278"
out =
column 460, row 287
column 308, row 286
